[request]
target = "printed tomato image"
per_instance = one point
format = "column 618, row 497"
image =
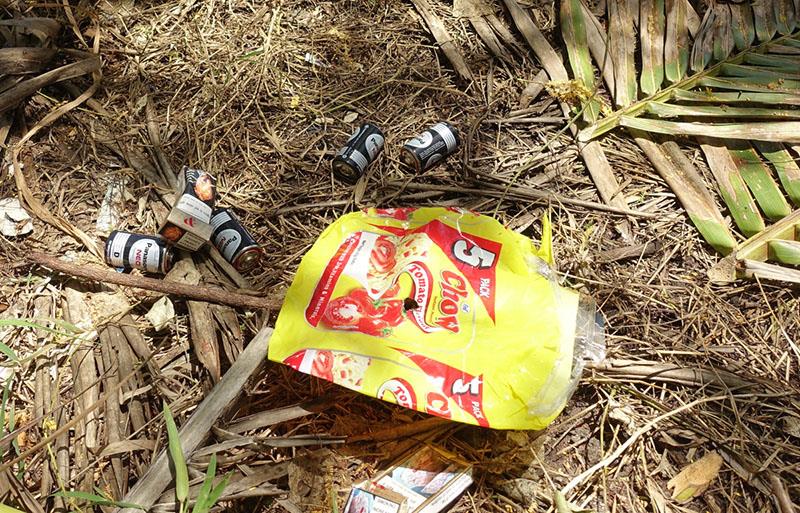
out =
column 340, row 367
column 322, row 367
column 344, row 313
column 374, row 327
column 382, row 259
column 358, row 311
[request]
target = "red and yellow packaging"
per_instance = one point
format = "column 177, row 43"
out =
column 439, row 310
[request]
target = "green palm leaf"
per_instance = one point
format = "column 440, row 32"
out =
column 734, row 76
column 575, row 36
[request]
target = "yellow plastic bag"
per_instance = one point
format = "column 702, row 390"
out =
column 439, row 310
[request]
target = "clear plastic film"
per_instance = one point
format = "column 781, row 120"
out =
column 439, row 310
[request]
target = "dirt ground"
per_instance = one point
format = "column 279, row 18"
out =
column 262, row 95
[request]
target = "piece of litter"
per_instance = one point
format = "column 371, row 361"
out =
column 350, row 117
column 389, row 303
column 314, row 61
column 426, row 480
column 14, row 220
column 110, row 213
column 161, row 313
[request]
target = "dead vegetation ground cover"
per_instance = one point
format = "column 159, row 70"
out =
column 228, row 88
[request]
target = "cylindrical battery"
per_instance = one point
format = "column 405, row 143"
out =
column 361, row 150
column 149, row 253
column 233, row 240
column 430, row 147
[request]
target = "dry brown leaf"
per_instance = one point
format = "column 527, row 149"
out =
column 695, row 477
column 790, row 425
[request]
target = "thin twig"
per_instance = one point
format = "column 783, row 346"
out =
column 580, row 478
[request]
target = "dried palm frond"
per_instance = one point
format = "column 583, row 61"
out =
column 731, row 80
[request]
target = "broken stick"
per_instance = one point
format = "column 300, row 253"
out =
column 196, row 292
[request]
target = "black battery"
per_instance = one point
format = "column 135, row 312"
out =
column 149, row 253
column 233, row 240
column 361, row 150
column 430, row 147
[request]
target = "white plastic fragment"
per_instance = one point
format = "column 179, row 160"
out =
column 314, row 61
column 110, row 213
column 161, row 313
column 14, row 220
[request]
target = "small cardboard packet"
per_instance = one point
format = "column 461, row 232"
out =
column 368, row 498
column 188, row 225
column 425, row 481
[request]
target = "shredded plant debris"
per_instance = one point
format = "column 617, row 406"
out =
column 262, row 95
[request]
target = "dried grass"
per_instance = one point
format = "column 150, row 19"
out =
column 232, row 93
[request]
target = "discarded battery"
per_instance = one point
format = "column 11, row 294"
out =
column 149, row 253
column 361, row 150
column 188, row 225
column 234, row 241
column 430, row 147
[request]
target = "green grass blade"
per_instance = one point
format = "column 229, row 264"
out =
column 785, row 165
column 676, row 43
column 176, row 453
column 217, row 491
column 733, row 98
column 4, row 406
column 573, row 30
column 668, row 110
column 760, row 180
column 785, row 251
column 621, row 48
column 97, row 500
column 733, row 188
column 779, row 131
column 764, row 18
column 10, row 354
column 744, row 30
column 8, row 509
column 202, row 505
column 776, row 61
column 652, row 41
column 69, row 329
